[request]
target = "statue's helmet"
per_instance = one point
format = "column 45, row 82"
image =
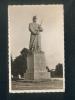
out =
column 34, row 17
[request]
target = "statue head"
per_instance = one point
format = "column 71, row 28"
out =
column 34, row 18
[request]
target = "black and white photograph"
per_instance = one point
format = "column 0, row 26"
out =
column 36, row 48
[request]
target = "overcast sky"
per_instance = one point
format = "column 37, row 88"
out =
column 52, row 37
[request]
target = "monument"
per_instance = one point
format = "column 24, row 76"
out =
column 36, row 63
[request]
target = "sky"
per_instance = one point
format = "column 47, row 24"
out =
column 52, row 38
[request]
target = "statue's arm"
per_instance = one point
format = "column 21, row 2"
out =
column 40, row 28
column 32, row 30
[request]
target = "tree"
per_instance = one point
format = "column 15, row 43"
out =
column 59, row 70
column 19, row 65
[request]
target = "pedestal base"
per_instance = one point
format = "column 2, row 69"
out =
column 36, row 67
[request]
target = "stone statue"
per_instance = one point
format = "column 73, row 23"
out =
column 35, row 38
column 36, row 64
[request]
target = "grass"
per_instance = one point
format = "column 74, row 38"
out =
column 37, row 85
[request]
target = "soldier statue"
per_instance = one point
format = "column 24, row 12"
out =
column 35, row 38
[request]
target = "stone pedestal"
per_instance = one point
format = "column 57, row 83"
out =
column 36, row 67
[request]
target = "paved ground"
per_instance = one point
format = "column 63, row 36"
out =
column 36, row 85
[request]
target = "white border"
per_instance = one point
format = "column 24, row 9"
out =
column 9, row 64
